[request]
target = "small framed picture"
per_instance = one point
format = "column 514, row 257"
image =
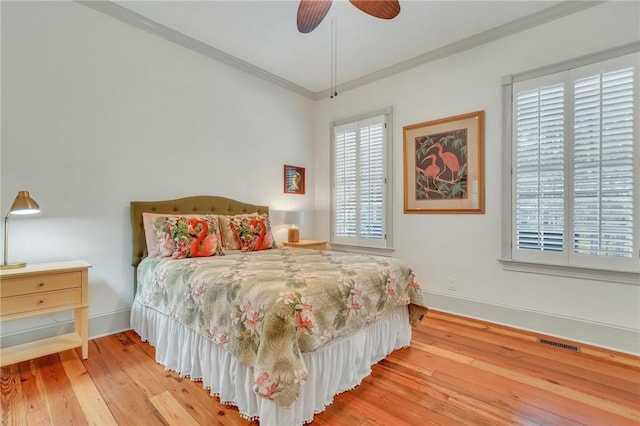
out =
column 294, row 182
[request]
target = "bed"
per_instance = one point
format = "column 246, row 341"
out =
column 259, row 325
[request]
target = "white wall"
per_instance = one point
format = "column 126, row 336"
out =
column 96, row 113
column 466, row 247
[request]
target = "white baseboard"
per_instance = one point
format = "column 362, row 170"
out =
column 619, row 339
column 593, row 333
column 99, row 325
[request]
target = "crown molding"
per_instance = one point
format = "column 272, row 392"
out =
column 132, row 18
column 542, row 17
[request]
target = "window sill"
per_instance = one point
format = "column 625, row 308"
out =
column 365, row 250
column 572, row 272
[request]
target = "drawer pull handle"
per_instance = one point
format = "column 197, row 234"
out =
column 41, row 301
column 41, row 285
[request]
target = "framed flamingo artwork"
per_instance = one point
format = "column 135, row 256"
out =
column 443, row 165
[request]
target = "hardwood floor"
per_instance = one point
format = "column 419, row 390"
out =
column 457, row 371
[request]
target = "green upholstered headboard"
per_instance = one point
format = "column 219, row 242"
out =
column 202, row 204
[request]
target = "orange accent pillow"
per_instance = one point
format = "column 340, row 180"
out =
column 188, row 236
column 229, row 241
column 253, row 233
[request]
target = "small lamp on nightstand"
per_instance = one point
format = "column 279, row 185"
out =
column 293, row 218
column 23, row 204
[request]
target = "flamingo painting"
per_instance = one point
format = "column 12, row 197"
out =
column 444, row 176
column 444, row 165
column 432, row 170
column 450, row 160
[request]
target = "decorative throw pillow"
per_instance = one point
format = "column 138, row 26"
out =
column 150, row 233
column 229, row 241
column 188, row 236
column 164, row 247
column 253, row 233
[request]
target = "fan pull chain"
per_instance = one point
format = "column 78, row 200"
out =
column 334, row 57
column 331, row 62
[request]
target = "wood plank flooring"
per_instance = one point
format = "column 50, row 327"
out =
column 458, row 371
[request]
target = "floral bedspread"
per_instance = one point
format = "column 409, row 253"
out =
column 268, row 307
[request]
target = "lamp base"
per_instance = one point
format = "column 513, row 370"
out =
column 13, row 265
column 294, row 234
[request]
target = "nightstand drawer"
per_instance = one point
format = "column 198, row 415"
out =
column 37, row 284
column 35, row 302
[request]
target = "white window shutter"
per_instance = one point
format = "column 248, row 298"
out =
column 345, row 183
column 360, row 186
column 539, row 169
column 575, row 178
column 603, row 164
column 372, row 181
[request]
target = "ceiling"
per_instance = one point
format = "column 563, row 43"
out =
column 263, row 37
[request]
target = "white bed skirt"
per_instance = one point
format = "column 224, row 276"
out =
column 337, row 367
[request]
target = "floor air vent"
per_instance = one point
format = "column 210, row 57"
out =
column 559, row 345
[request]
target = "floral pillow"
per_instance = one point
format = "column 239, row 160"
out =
column 188, row 236
column 162, row 248
column 150, row 234
column 229, row 241
column 253, row 233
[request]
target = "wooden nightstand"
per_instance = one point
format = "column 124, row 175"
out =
column 310, row 244
column 40, row 289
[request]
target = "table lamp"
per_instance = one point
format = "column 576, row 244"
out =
column 23, row 204
column 293, row 218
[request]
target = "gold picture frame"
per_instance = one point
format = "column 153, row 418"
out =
column 444, row 165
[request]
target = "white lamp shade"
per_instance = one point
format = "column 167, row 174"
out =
column 276, row 217
column 293, row 217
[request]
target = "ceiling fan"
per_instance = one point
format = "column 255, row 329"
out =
column 312, row 12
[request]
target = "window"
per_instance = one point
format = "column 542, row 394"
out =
column 360, row 213
column 573, row 172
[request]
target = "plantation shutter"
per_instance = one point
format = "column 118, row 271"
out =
column 359, row 182
column 539, row 164
column 371, row 181
column 603, row 164
column 346, row 182
column 574, row 182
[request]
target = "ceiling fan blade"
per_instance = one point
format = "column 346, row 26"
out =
column 383, row 9
column 311, row 13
